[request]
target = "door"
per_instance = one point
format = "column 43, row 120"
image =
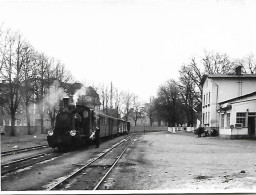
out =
column 251, row 125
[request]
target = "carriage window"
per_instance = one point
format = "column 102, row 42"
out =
column 85, row 114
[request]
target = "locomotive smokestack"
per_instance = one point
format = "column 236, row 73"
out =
column 65, row 102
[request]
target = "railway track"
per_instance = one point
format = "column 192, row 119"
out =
column 110, row 169
column 95, row 171
column 26, row 162
column 23, row 150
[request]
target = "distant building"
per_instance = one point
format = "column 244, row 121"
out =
column 219, row 89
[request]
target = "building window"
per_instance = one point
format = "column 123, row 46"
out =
column 209, row 97
column 240, row 118
column 203, row 118
column 228, row 120
column 204, row 99
column 222, row 120
column 208, row 117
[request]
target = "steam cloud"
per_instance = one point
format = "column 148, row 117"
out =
column 81, row 91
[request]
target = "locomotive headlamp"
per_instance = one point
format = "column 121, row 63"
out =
column 72, row 132
column 50, row 133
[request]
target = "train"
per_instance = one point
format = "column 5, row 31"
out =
column 75, row 126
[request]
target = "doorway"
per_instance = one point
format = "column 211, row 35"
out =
column 251, row 125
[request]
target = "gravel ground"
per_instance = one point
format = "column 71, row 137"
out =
column 40, row 176
column 165, row 161
column 162, row 161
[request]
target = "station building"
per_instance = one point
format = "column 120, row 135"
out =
column 228, row 103
column 238, row 117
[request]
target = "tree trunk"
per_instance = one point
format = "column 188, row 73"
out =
column 13, row 128
column 42, row 123
column 28, row 121
column 151, row 121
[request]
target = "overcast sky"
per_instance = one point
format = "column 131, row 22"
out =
column 136, row 44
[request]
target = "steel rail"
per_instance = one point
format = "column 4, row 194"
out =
column 11, row 152
column 86, row 165
column 24, row 159
column 3, row 172
column 110, row 169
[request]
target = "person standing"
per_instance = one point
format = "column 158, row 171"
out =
column 97, row 137
column 97, row 132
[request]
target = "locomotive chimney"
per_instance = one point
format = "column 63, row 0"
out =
column 65, row 102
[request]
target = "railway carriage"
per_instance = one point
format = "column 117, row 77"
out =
column 76, row 124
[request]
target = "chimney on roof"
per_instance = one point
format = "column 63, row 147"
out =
column 238, row 70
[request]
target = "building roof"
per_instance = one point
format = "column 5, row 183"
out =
column 238, row 98
column 228, row 76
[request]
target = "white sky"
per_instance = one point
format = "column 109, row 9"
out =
column 136, row 44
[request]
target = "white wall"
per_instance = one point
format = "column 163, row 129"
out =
column 238, row 106
column 242, row 131
column 229, row 88
column 221, row 90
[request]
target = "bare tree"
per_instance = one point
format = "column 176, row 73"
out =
column 136, row 109
column 102, row 93
column 27, row 89
column 150, row 110
column 193, row 72
column 42, row 85
column 105, row 98
column 216, row 63
column 248, row 63
column 117, row 102
column 13, row 58
column 127, row 103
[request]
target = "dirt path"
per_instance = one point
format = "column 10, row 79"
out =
column 164, row 161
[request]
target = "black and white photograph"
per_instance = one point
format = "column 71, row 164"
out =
column 128, row 96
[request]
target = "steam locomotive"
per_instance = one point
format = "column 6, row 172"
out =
column 75, row 126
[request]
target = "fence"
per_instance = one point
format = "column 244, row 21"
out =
column 147, row 129
column 174, row 129
column 151, row 129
